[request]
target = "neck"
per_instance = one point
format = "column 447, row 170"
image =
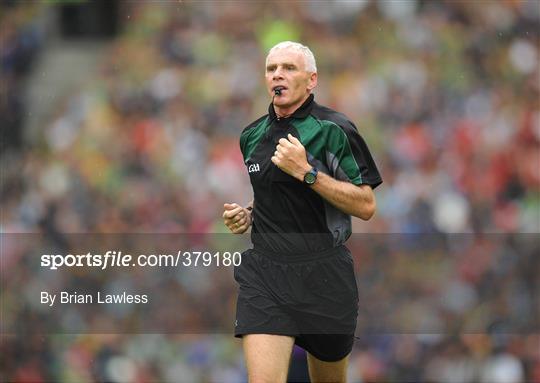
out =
column 286, row 111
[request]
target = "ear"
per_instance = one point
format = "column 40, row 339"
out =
column 312, row 82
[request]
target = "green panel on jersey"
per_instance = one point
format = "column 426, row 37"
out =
column 320, row 136
column 338, row 144
column 250, row 138
column 311, row 136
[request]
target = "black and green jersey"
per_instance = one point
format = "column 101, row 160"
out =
column 288, row 216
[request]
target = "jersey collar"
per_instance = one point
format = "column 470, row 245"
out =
column 302, row 112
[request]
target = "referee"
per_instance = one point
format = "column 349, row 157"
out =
column 310, row 171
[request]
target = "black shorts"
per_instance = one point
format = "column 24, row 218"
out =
column 313, row 298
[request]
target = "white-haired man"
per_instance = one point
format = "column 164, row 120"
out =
column 310, row 171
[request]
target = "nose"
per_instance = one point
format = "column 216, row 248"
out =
column 277, row 74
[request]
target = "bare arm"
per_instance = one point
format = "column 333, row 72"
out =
column 349, row 198
column 290, row 156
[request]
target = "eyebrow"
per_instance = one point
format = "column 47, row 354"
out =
column 269, row 66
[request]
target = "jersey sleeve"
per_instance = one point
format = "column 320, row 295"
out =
column 251, row 136
column 349, row 158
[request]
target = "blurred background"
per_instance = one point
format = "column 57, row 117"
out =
column 124, row 117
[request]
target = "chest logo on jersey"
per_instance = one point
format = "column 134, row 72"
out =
column 254, row 168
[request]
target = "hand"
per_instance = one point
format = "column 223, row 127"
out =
column 290, row 156
column 236, row 218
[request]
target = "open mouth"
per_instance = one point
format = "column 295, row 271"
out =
column 278, row 88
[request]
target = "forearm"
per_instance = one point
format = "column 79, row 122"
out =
column 349, row 198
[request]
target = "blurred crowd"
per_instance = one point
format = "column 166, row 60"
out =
column 445, row 93
column 20, row 42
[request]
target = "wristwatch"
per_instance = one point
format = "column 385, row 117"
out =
column 311, row 176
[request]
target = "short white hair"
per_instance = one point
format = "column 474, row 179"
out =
column 309, row 59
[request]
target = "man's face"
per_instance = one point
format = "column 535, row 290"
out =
column 286, row 68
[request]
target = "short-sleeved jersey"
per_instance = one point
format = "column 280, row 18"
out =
column 288, row 216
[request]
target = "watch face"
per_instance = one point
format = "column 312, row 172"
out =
column 310, row 178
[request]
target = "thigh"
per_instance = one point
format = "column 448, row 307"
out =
column 267, row 357
column 321, row 371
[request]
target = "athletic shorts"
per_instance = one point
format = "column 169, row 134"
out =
column 311, row 297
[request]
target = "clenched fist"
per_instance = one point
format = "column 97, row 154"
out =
column 290, row 156
column 236, row 218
